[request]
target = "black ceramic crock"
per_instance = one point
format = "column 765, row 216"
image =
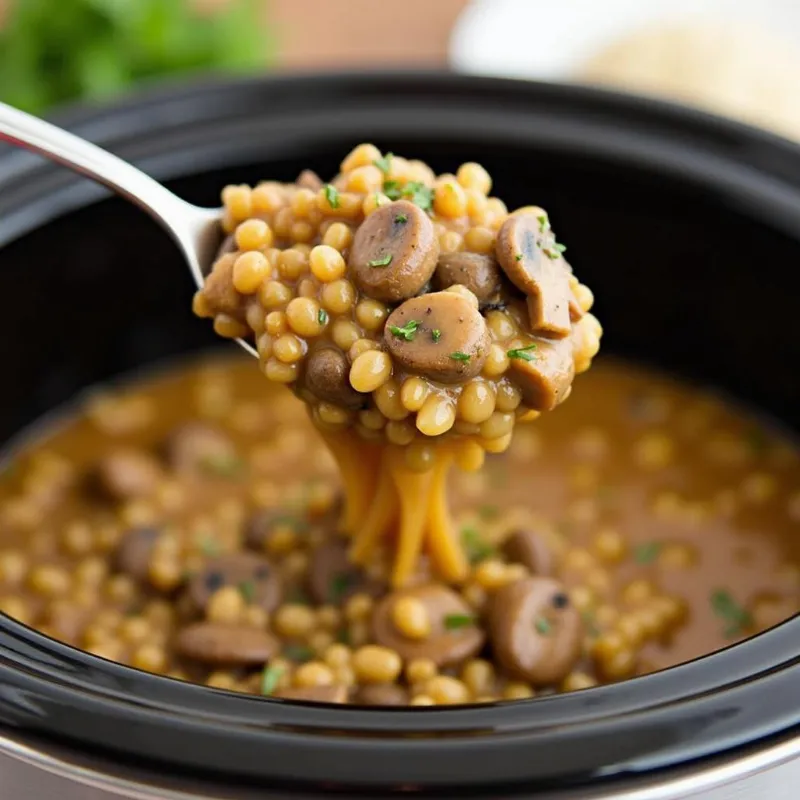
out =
column 688, row 229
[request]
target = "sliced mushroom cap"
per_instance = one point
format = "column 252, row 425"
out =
column 218, row 290
column 199, row 448
column 381, row 694
column 133, row 552
column 257, row 579
column 529, row 548
column 440, row 335
column 528, row 256
column 126, row 474
column 545, row 379
column 327, row 376
column 394, row 252
column 262, row 525
column 308, row 179
column 455, row 633
column 536, row 633
column 333, row 578
column 478, row 272
column 214, row 643
column 314, row 694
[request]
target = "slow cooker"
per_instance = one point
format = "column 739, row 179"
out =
column 707, row 208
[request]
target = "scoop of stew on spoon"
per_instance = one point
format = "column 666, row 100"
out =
column 195, row 230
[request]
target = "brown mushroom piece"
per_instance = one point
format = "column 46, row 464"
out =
column 199, row 448
column 133, row 552
column 127, row 474
column 308, row 179
column 381, row 694
column 336, row 693
column 394, row 252
column 545, row 377
column 535, row 631
column 333, row 578
column 227, row 245
column 219, row 293
column 478, row 272
column 455, row 634
column 529, row 548
column 257, row 579
column 261, row 526
column 439, row 335
column 214, row 643
column 327, row 377
column 532, row 263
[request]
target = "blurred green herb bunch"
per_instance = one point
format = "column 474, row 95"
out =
column 55, row 51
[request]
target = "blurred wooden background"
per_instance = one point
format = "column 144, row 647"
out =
column 314, row 34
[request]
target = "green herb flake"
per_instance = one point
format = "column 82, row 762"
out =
column 384, row 164
column 454, row 622
column 476, row 547
column 298, row 652
column 523, row 353
column 392, row 190
column 544, row 222
column 383, row 261
column 322, row 316
column 543, row 626
column 339, row 585
column 560, row 247
column 407, row 332
column 331, row 195
column 223, row 466
column 646, row 552
column 419, row 194
column 400, row 219
column 551, row 252
column 459, row 356
column 209, row 546
column 518, row 257
column 736, row 618
column 248, row 591
column 343, row 637
column 436, row 334
column 269, row 679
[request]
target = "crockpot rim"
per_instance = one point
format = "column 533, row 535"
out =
column 731, row 679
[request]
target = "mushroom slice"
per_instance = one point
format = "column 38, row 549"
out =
column 335, row 693
column 333, row 578
column 219, row 293
column 545, row 375
column 327, row 376
column 534, row 265
column 439, row 335
column 394, row 252
column 213, row 643
column 529, row 548
column 535, row 631
column 255, row 577
column 478, row 272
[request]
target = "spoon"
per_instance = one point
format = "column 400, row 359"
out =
column 195, row 230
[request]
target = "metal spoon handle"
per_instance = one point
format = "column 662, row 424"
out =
column 187, row 224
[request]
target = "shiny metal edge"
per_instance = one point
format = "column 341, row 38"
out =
column 698, row 780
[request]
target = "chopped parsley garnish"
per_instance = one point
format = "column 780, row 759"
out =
column 407, row 332
column 225, row 466
column 384, row 164
column 477, row 548
column 418, row 193
column 248, row 590
column 489, row 512
column 298, row 652
column 560, row 247
column 551, row 252
column 401, row 218
column 647, row 552
column 436, row 334
column 544, row 223
column 383, row 261
column 339, row 585
column 322, row 317
column 210, row 546
column 459, row 356
column 343, row 637
column 455, row 621
column 269, row 679
column 543, row 626
column 523, row 353
column 331, row 195
column 736, row 618
column 518, row 257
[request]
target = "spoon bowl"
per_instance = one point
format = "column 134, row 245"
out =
column 195, row 230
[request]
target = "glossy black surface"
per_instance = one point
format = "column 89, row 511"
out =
column 686, row 227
